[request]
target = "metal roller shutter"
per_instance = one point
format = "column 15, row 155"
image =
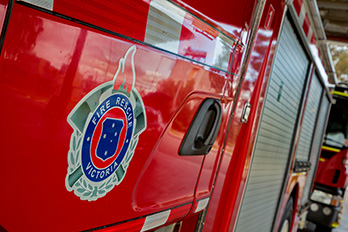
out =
column 309, row 120
column 274, row 140
column 317, row 142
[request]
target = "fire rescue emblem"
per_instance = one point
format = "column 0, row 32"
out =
column 107, row 123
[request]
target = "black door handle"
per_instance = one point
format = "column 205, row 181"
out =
column 203, row 130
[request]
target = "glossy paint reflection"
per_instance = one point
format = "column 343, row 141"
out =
column 231, row 179
column 57, row 63
column 229, row 15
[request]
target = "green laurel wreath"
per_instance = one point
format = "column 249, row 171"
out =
column 82, row 187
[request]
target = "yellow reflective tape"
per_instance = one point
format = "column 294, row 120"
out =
column 322, row 159
column 340, row 93
column 330, row 149
column 335, row 224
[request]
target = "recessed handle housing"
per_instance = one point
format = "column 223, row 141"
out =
column 203, row 130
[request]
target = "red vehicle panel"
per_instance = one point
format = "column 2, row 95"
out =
column 333, row 172
column 133, row 115
column 58, row 64
column 241, row 136
column 330, row 182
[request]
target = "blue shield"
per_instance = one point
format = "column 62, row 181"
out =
column 109, row 138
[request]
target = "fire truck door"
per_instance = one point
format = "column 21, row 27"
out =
column 63, row 96
column 170, row 176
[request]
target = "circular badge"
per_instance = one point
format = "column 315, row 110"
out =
column 104, row 139
column 107, row 137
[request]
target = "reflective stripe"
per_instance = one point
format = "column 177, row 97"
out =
column 46, row 4
column 155, row 220
column 302, row 15
column 202, row 204
column 322, row 159
column 340, row 93
column 297, row 5
column 176, row 30
column 164, row 25
column 310, row 34
column 330, row 149
column 222, row 54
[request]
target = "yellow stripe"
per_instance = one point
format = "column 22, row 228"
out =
column 340, row 93
column 322, row 159
column 330, row 149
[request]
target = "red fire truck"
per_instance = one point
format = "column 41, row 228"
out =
column 175, row 115
column 331, row 177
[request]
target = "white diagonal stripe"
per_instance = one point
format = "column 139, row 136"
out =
column 164, row 23
column 202, row 204
column 302, row 15
column 46, row 4
column 310, row 33
column 155, row 220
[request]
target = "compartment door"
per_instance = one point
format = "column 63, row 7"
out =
column 275, row 134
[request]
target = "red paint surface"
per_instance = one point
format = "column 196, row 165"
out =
column 313, row 40
column 326, row 170
column 306, row 25
column 189, row 224
column 269, row 18
column 48, row 64
column 125, row 17
column 57, row 63
column 298, row 5
column 232, row 175
column 198, row 37
column 237, row 59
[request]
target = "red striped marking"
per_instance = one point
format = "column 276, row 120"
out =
column 313, row 40
column 298, row 5
column 306, row 25
column 201, row 205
